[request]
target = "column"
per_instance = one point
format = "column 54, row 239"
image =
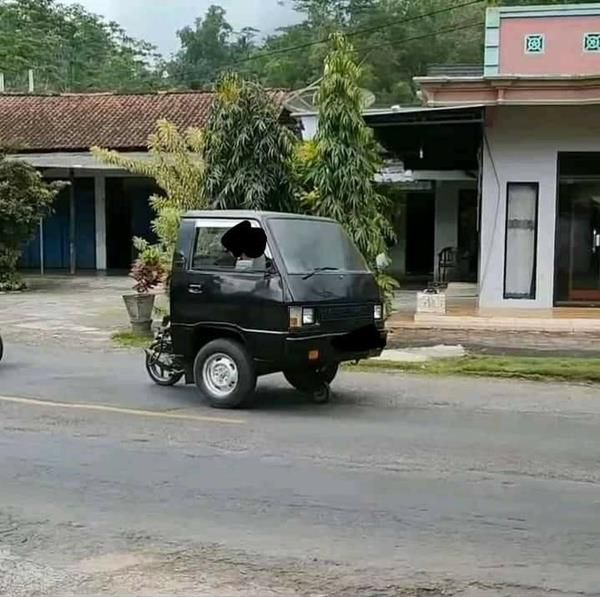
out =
column 100, row 204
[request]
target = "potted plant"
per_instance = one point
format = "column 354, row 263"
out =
column 148, row 271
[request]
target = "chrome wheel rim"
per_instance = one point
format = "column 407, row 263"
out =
column 220, row 375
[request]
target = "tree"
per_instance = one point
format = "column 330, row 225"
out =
column 24, row 199
column 209, row 47
column 247, row 152
column 176, row 166
column 346, row 158
column 70, row 49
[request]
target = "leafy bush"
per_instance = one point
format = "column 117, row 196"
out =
column 247, row 151
column 148, row 270
column 176, row 166
column 24, row 200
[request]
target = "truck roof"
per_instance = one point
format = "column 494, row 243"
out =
column 250, row 214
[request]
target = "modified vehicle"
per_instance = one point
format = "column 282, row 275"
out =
column 255, row 293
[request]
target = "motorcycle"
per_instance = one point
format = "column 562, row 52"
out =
column 163, row 367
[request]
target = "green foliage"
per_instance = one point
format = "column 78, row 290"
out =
column 70, row 49
column 247, row 152
column 176, row 165
column 346, row 158
column 208, row 48
column 24, row 199
column 149, row 269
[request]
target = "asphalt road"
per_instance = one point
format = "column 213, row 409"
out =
column 402, row 486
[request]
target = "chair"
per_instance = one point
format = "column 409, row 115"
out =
column 446, row 262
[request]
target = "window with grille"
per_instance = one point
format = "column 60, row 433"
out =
column 535, row 43
column 591, row 42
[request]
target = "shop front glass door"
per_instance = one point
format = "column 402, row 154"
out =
column 578, row 246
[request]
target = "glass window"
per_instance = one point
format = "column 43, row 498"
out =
column 535, row 43
column 521, row 240
column 309, row 245
column 591, row 42
column 209, row 252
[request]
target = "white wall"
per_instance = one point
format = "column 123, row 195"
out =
column 310, row 124
column 523, row 146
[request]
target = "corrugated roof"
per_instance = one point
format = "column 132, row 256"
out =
column 72, row 122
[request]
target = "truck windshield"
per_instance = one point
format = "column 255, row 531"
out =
column 309, row 246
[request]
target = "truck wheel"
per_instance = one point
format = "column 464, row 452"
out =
column 224, row 373
column 311, row 380
column 160, row 374
column 322, row 395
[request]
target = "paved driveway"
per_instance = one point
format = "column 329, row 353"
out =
column 82, row 311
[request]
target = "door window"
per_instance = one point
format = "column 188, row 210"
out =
column 209, row 252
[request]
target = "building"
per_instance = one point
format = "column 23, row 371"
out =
column 103, row 208
column 501, row 163
column 437, row 181
column 539, row 93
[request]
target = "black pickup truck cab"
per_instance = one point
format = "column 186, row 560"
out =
column 255, row 293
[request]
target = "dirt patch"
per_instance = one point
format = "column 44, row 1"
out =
column 112, row 562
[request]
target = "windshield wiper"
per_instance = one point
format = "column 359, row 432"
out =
column 320, row 269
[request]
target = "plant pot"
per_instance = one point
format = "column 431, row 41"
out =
column 140, row 307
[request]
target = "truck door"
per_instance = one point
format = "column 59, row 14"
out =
column 218, row 289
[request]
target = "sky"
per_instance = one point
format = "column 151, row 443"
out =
column 157, row 21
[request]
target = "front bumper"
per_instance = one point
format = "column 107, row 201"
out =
column 360, row 344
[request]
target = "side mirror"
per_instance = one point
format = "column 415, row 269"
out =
column 179, row 259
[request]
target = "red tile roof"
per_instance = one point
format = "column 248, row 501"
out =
column 76, row 122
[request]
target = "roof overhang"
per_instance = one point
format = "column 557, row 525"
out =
column 77, row 161
column 510, row 90
column 425, row 115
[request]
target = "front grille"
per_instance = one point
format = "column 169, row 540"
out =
column 342, row 312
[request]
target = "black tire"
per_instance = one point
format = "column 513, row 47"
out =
column 322, row 395
column 227, row 359
column 311, row 380
column 156, row 377
column 1, row 349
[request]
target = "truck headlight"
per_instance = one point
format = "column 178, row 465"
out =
column 300, row 316
column 378, row 312
column 295, row 317
column 308, row 316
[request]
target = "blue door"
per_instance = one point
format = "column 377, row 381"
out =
column 85, row 224
column 57, row 229
column 56, row 238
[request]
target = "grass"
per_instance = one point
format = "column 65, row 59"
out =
column 580, row 370
column 128, row 339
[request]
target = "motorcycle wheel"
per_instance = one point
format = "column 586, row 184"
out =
column 159, row 374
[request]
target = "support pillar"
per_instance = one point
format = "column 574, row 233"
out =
column 100, row 212
column 72, row 221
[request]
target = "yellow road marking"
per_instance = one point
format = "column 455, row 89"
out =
column 119, row 410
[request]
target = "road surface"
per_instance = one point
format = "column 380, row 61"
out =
column 402, row 486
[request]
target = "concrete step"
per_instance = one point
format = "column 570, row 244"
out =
column 461, row 290
column 497, row 323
